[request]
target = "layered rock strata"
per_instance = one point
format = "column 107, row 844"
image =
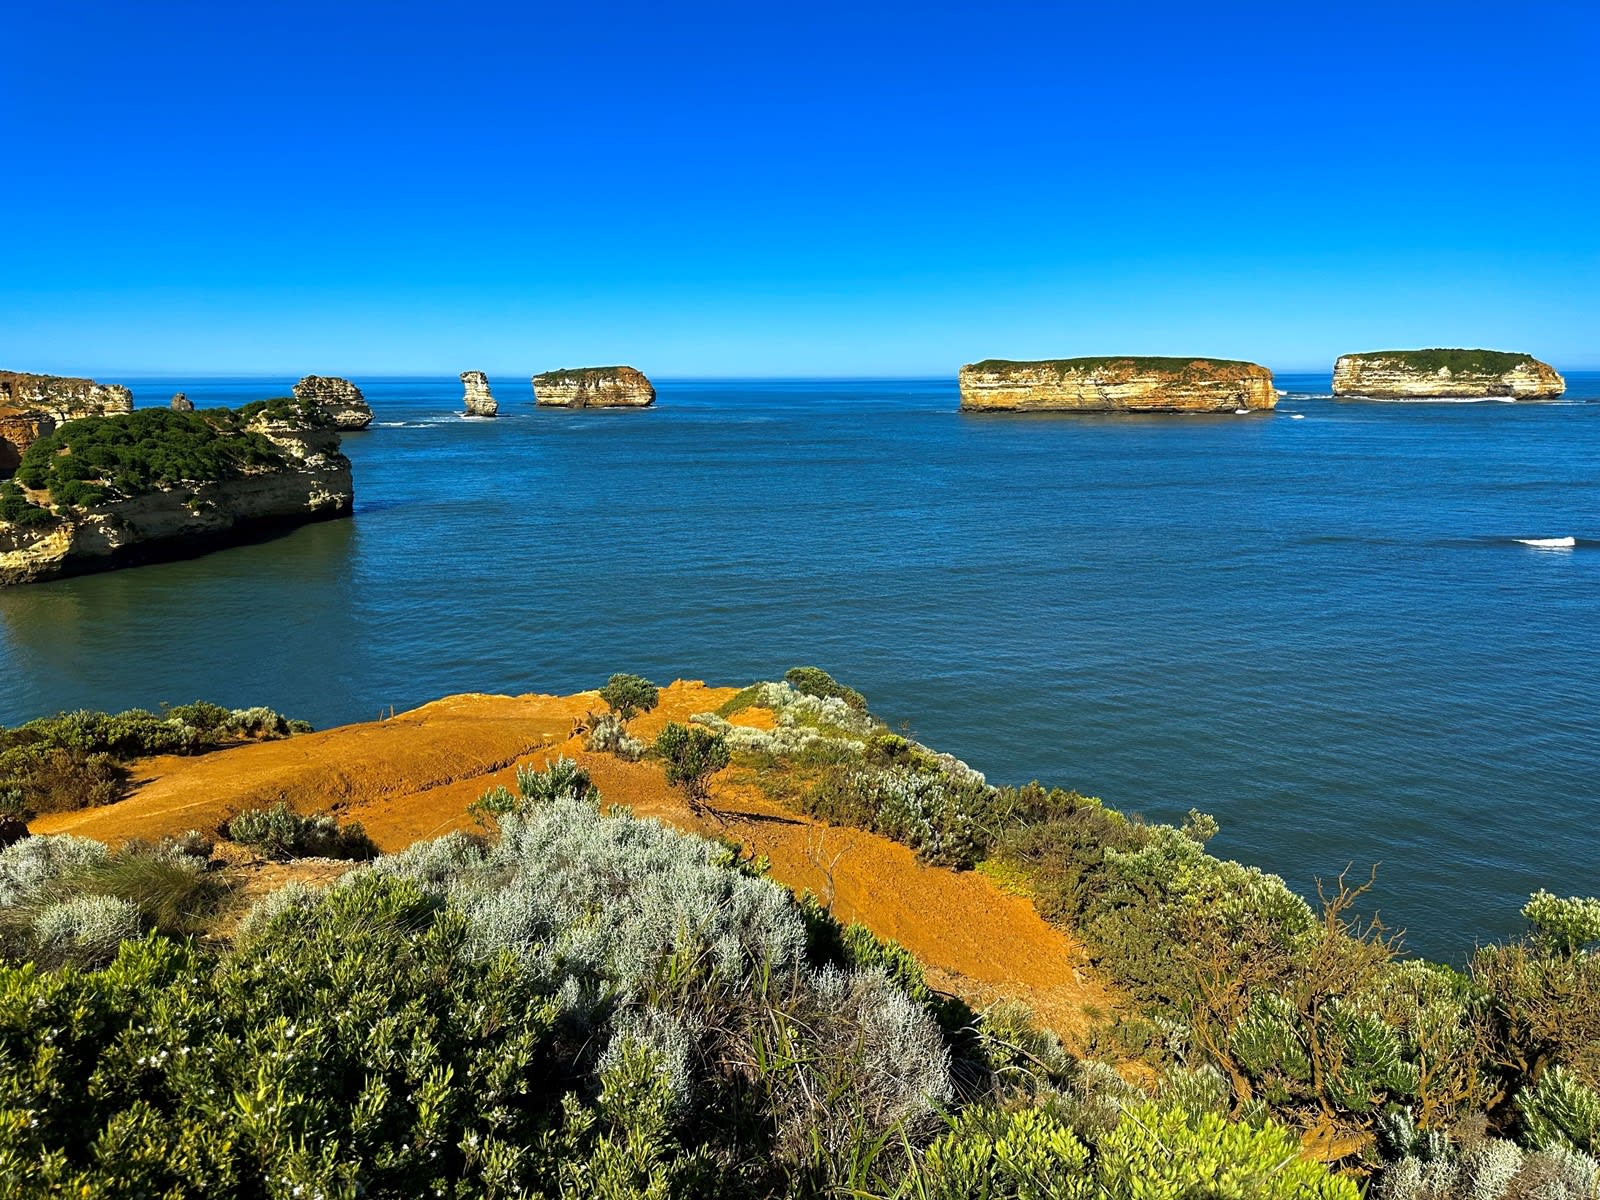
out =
column 1116, row 385
column 339, row 399
column 1445, row 375
column 593, row 387
column 34, row 406
column 182, row 403
column 311, row 482
column 478, row 399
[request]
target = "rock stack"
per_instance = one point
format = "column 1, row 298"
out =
column 1445, row 375
column 479, row 401
column 340, row 400
column 181, row 403
column 593, row 387
column 1116, row 385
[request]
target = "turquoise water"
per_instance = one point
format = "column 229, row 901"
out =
column 1322, row 630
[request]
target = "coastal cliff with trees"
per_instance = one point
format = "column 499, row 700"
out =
column 633, row 1010
column 109, row 491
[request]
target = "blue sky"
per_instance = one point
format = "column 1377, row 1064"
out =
column 792, row 190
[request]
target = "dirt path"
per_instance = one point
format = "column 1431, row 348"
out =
column 413, row 775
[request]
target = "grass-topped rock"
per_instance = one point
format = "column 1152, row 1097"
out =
column 113, row 490
column 1441, row 374
column 1116, row 384
column 593, row 387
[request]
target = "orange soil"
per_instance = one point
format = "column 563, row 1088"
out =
column 412, row 776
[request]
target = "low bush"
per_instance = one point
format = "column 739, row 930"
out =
column 814, row 681
column 629, row 695
column 608, row 735
column 692, row 756
column 280, row 833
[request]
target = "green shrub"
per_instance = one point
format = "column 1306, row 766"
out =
column 16, row 508
column 99, row 459
column 630, row 695
column 1559, row 1111
column 281, row 833
column 991, row 1154
column 692, row 756
column 1565, row 926
column 814, row 681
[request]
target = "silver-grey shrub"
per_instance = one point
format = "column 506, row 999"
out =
column 34, row 863
column 85, row 930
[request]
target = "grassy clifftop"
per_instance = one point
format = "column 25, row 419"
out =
column 1458, row 362
column 1139, row 363
column 578, row 374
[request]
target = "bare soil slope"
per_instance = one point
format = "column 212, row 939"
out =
column 413, row 775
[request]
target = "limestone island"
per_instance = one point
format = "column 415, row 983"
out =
column 340, row 401
column 593, row 387
column 478, row 400
column 110, row 491
column 1111, row 384
column 33, row 406
column 1445, row 375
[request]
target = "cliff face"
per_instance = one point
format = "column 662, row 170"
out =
column 1116, row 385
column 593, row 387
column 478, row 399
column 1445, row 375
column 32, row 406
column 313, row 483
column 339, row 399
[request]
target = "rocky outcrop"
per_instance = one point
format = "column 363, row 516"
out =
column 310, row 482
column 33, row 406
column 181, row 403
column 1445, row 375
column 339, row 399
column 1116, row 385
column 479, row 402
column 593, row 387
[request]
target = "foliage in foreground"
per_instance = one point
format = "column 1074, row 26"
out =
column 78, row 759
column 281, row 833
column 593, row 1006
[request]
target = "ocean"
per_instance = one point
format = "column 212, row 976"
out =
column 1326, row 631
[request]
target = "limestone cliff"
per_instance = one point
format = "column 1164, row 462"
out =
column 478, row 400
column 181, row 403
column 1445, row 375
column 32, row 406
column 1116, row 385
column 303, row 477
column 593, row 387
column 340, row 399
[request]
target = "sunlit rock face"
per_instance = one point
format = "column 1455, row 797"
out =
column 1445, row 375
column 478, row 399
column 340, row 399
column 1116, row 385
column 593, row 387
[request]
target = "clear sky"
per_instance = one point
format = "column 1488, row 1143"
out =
column 786, row 189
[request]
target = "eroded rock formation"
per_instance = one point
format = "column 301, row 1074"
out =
column 340, row 399
column 593, row 387
column 310, row 482
column 1445, row 375
column 1116, row 385
column 182, row 403
column 33, row 406
column 479, row 401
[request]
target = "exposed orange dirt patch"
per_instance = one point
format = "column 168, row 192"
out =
column 412, row 776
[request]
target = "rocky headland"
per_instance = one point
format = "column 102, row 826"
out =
column 1116, row 385
column 185, row 483
column 593, row 387
column 33, row 406
column 339, row 399
column 181, row 403
column 1445, row 375
column 479, row 401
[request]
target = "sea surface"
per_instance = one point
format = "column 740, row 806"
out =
column 1325, row 630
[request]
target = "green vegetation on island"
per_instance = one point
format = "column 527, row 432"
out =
column 1458, row 362
column 1183, row 367
column 578, row 374
column 95, row 460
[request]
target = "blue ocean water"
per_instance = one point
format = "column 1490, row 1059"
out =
column 1323, row 630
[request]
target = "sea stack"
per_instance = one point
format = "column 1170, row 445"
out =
column 33, row 406
column 479, row 402
column 593, row 387
column 340, row 401
column 182, row 403
column 1445, row 375
column 1116, row 385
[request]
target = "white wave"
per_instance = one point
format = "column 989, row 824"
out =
column 1557, row 543
column 1297, row 416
